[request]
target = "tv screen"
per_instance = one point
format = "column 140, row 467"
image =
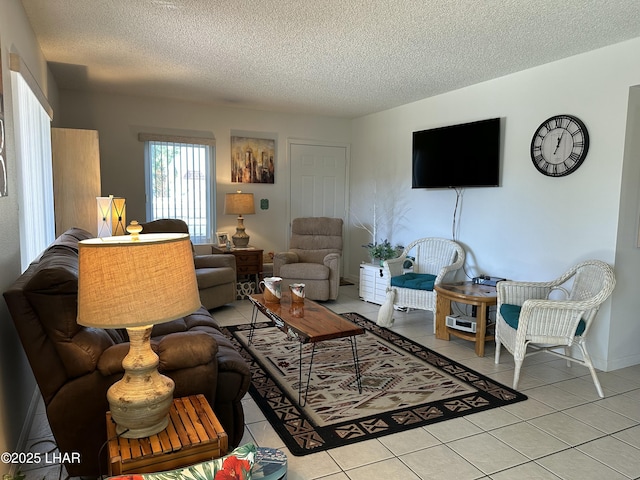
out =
column 464, row 155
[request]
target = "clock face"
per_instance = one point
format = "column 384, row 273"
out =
column 559, row 145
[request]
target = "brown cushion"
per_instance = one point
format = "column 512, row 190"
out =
column 165, row 225
column 69, row 239
column 52, row 292
column 186, row 350
column 176, row 351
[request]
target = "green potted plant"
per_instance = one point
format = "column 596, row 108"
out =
column 382, row 251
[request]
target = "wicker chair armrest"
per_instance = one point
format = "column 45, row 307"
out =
column 516, row 293
column 553, row 318
column 447, row 272
column 394, row 266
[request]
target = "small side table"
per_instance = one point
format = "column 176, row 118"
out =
column 248, row 261
column 193, row 435
column 469, row 293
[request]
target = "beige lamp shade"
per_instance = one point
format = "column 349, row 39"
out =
column 125, row 283
column 239, row 204
column 112, row 218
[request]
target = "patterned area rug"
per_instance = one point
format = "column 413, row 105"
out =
column 404, row 385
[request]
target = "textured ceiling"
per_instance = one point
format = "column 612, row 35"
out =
column 343, row 58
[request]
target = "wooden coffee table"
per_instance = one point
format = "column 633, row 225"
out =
column 307, row 323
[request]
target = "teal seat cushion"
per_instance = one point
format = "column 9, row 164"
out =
column 415, row 281
column 511, row 315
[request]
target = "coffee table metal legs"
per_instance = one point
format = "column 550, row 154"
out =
column 313, row 351
column 356, row 363
column 356, row 366
column 254, row 316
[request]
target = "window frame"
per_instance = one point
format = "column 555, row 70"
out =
column 209, row 181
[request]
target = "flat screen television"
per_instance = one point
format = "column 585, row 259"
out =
column 464, row 155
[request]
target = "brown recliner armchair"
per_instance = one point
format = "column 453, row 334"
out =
column 314, row 257
column 216, row 274
column 74, row 365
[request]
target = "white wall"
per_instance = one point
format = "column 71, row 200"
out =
column 17, row 384
column 532, row 227
column 119, row 119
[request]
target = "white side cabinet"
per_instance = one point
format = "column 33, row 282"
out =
column 373, row 283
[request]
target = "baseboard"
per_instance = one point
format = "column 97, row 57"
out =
column 618, row 363
column 352, row 278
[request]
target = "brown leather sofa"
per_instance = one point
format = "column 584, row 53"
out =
column 216, row 274
column 75, row 365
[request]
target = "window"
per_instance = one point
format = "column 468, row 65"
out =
column 32, row 126
column 180, row 182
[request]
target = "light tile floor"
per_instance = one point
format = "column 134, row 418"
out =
column 563, row 431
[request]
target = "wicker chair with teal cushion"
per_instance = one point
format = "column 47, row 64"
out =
column 433, row 261
column 529, row 316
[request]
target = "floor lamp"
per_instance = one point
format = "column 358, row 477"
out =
column 133, row 282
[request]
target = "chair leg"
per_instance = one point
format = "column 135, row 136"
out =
column 498, row 346
column 516, row 373
column 589, row 365
column 567, row 353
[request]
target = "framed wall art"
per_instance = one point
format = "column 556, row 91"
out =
column 252, row 160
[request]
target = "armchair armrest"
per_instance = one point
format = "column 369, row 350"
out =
column 332, row 262
column 215, row 261
column 282, row 258
column 176, row 351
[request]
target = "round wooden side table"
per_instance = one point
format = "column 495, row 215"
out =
column 468, row 293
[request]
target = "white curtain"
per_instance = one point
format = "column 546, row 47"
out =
column 35, row 175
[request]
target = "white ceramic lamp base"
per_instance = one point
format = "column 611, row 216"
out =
column 140, row 402
column 240, row 238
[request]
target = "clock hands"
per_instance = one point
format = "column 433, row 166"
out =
column 558, row 144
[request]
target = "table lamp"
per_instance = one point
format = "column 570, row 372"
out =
column 239, row 204
column 111, row 216
column 133, row 282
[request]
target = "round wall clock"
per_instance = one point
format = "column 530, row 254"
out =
column 559, row 145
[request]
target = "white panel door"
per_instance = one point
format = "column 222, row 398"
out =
column 318, row 180
column 319, row 184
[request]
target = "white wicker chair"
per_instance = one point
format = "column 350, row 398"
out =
column 544, row 324
column 435, row 256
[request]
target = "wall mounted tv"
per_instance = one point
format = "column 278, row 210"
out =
column 464, row 155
